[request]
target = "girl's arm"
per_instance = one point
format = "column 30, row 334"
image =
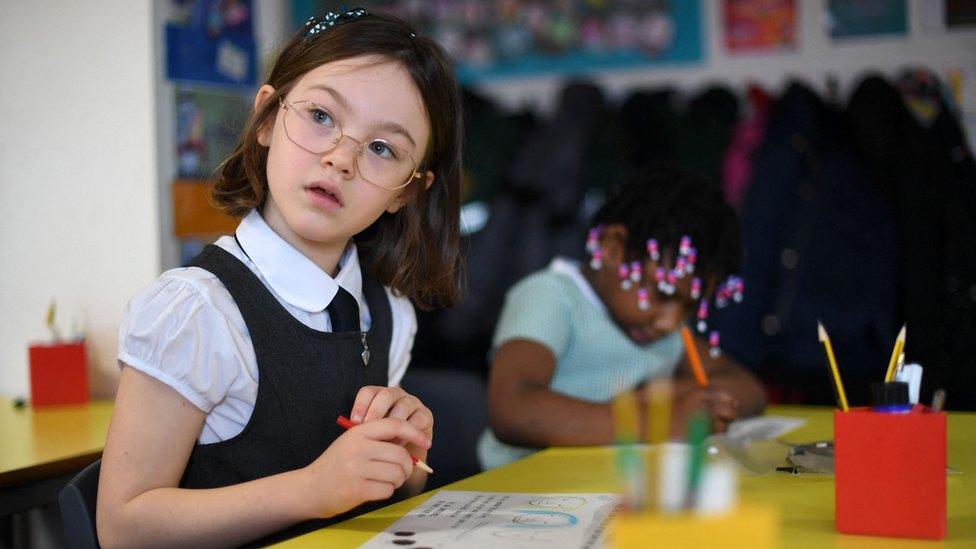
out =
column 152, row 432
column 523, row 411
column 154, row 429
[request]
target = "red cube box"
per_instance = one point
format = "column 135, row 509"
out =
column 890, row 473
column 58, row 374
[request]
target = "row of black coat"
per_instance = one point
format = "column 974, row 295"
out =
column 861, row 216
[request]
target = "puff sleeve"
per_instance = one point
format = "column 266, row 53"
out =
column 172, row 331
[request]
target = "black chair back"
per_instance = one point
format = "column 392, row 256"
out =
column 77, row 501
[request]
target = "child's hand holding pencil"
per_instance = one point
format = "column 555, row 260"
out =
column 346, row 424
column 720, row 405
column 374, row 403
column 367, row 463
column 666, row 405
column 384, row 445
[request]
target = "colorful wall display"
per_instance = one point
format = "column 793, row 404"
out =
column 208, row 125
column 854, row 18
column 513, row 38
column 758, row 25
column 211, row 41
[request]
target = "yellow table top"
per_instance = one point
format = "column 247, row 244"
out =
column 805, row 502
column 38, row 443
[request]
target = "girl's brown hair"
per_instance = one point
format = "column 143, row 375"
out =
column 415, row 250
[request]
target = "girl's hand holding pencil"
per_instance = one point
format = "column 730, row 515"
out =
column 681, row 398
column 721, row 406
column 367, row 463
column 373, row 403
column 345, row 423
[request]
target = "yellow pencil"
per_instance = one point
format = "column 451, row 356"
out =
column 658, row 413
column 825, row 339
column 895, row 353
column 626, row 423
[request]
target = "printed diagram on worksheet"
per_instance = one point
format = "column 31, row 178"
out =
column 502, row 519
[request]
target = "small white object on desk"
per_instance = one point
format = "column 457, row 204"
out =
column 912, row 375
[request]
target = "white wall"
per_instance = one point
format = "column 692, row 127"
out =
column 86, row 162
column 78, row 200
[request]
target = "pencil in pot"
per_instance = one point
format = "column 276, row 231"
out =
column 346, row 424
column 834, row 372
column 895, row 353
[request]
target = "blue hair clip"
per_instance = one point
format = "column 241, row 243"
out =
column 330, row 19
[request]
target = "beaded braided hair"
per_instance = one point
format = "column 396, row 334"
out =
column 677, row 220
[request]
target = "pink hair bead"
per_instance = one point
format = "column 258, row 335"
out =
column 652, row 250
column 624, row 272
column 635, row 272
column 722, row 295
column 593, row 239
column 596, row 262
column 702, row 316
column 643, row 300
column 679, row 266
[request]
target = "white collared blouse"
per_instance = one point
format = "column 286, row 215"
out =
column 185, row 330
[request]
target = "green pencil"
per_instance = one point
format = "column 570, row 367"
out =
column 699, row 427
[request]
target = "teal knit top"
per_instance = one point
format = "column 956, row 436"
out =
column 595, row 360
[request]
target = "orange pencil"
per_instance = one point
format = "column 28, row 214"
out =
column 693, row 359
column 345, row 423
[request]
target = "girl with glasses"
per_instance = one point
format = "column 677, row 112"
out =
column 235, row 369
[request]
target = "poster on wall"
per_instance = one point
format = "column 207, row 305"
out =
column 760, row 25
column 208, row 125
column 492, row 39
column 856, row 18
column 211, row 41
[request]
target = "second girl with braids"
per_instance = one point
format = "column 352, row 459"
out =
column 572, row 337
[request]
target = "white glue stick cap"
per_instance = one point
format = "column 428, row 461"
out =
column 718, row 489
column 672, row 480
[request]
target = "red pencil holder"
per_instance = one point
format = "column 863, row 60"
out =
column 890, row 473
column 58, row 374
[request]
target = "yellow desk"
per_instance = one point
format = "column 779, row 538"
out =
column 46, row 444
column 806, row 503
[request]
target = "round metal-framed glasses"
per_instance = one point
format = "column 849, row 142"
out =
column 380, row 162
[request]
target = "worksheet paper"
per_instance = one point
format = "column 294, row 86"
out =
column 500, row 519
column 763, row 428
column 753, row 443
